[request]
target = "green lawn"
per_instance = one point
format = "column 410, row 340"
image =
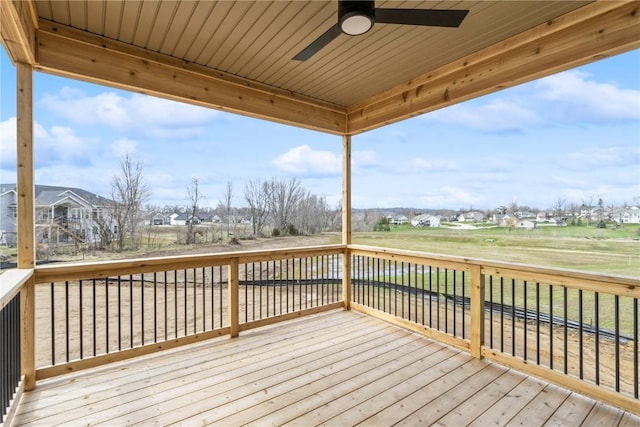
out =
column 613, row 251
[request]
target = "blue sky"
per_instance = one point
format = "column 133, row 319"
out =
column 574, row 135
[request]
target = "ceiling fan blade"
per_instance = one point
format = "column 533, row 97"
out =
column 318, row 43
column 428, row 17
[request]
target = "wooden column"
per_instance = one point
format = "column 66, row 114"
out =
column 25, row 211
column 346, row 220
column 477, row 311
column 234, row 300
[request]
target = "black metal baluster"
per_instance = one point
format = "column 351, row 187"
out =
column 502, row 314
column 538, row 323
column 635, row 348
column 95, row 335
column 166, row 332
column 491, row 311
column 596, row 303
column 455, row 305
column 513, row 317
column 131, row 311
column 66, row 314
column 53, row 326
column 430, row 296
column 186, row 298
column 526, row 320
column 141, row 309
column 446, row 300
column 438, row 298
column 617, row 343
column 551, row 326
column 175, row 302
column 463, row 302
column 80, row 320
column 566, row 350
column 106, row 311
column 580, row 336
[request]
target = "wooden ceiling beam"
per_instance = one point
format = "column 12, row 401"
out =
column 592, row 32
column 18, row 30
column 72, row 53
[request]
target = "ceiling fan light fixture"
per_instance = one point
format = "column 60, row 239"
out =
column 356, row 17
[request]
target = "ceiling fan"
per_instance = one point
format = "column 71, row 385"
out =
column 357, row 17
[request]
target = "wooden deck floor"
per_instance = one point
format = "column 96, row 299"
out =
column 337, row 368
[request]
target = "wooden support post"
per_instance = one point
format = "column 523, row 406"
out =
column 346, row 220
column 25, row 217
column 234, row 300
column 477, row 311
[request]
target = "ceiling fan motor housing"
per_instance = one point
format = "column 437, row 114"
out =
column 356, row 17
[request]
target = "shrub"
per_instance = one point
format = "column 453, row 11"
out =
column 382, row 225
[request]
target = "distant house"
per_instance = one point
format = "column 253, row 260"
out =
column 627, row 216
column 397, row 219
column 183, row 219
column 160, row 219
column 473, row 216
column 425, row 220
column 62, row 214
column 527, row 224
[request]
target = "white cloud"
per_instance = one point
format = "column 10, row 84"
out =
column 135, row 113
column 8, row 136
column 434, row 165
column 498, row 115
column 123, row 146
column 574, row 95
column 602, row 157
column 364, row 159
column 303, row 160
column 566, row 98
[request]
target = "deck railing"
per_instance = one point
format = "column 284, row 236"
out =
column 572, row 328
column 10, row 339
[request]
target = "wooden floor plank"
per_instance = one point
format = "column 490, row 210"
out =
column 476, row 405
column 174, row 371
column 572, row 412
column 401, row 409
column 341, row 395
column 342, row 371
column 191, row 381
column 263, row 381
column 431, row 412
column 510, row 404
column 602, row 415
column 358, row 414
column 540, row 408
column 338, row 368
column 629, row 420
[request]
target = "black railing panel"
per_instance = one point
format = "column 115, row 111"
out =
column 425, row 294
column 10, row 358
column 592, row 336
column 85, row 318
column 282, row 286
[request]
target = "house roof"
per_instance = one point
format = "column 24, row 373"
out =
column 46, row 195
column 237, row 56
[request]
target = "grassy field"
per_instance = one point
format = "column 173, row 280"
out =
column 613, row 251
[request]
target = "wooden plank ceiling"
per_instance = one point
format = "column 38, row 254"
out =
column 237, row 56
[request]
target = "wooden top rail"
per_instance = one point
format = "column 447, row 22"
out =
column 55, row 273
column 597, row 282
column 11, row 282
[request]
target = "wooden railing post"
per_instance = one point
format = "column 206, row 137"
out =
column 477, row 311
column 346, row 278
column 234, row 300
column 346, row 220
column 25, row 216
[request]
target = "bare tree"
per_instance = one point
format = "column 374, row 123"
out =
column 256, row 194
column 559, row 206
column 284, row 197
column 194, row 199
column 128, row 193
column 226, row 201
